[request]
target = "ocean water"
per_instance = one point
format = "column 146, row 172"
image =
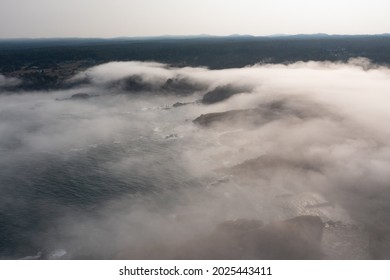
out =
column 41, row 185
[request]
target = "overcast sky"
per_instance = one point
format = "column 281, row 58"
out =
column 115, row 18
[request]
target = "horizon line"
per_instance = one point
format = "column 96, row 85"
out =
column 167, row 36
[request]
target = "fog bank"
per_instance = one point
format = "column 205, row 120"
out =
column 119, row 172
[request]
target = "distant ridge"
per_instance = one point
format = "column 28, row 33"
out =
column 199, row 36
column 215, row 52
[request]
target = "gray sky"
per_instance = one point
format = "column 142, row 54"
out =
column 114, row 18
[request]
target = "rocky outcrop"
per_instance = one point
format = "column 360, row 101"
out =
column 297, row 238
column 379, row 241
column 80, row 96
column 266, row 112
column 135, row 84
column 230, row 117
column 182, row 86
column 266, row 164
column 222, row 93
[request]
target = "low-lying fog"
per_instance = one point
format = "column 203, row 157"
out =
column 142, row 160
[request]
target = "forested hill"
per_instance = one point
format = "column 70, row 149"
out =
column 213, row 52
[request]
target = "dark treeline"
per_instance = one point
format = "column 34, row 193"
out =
column 213, row 52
